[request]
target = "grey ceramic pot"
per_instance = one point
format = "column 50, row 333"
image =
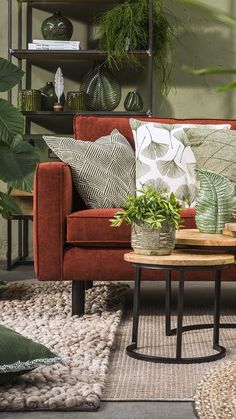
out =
column 146, row 241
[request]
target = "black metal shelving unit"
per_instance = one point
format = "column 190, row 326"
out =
column 32, row 57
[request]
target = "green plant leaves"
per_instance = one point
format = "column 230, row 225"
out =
column 17, row 159
column 151, row 207
column 11, row 121
column 10, row 75
column 25, row 184
column 215, row 203
column 8, row 205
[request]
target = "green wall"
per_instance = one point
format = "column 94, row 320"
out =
column 201, row 41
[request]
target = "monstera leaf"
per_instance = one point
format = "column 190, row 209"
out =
column 10, row 75
column 8, row 205
column 215, row 203
column 11, row 121
column 16, row 160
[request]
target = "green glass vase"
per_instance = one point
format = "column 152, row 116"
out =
column 103, row 89
column 57, row 28
column 133, row 102
column 49, row 97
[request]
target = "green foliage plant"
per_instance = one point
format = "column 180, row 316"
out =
column 125, row 28
column 151, row 207
column 17, row 157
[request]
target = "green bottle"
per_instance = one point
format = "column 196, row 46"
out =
column 49, row 97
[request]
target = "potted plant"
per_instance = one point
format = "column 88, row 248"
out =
column 125, row 28
column 154, row 217
column 17, row 157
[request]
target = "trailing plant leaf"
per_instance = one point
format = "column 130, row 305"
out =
column 10, row 75
column 8, row 205
column 125, row 28
column 16, row 160
column 151, row 207
column 11, row 121
column 215, row 203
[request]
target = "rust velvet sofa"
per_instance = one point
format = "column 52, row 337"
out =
column 72, row 243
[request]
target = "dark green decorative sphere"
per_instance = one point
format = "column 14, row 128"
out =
column 57, row 28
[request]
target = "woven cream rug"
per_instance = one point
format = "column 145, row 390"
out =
column 130, row 379
column 42, row 312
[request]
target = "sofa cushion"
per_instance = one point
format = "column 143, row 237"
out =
column 214, row 150
column 91, row 227
column 89, row 128
column 102, row 170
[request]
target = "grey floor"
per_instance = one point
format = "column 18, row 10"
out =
column 195, row 292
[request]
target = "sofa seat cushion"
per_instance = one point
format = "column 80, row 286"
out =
column 91, row 227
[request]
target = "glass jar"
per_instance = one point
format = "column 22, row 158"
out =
column 77, row 101
column 29, row 100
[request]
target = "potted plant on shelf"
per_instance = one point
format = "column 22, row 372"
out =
column 154, row 217
column 17, row 157
column 125, row 28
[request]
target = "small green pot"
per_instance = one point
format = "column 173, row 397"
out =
column 29, row 100
column 77, row 101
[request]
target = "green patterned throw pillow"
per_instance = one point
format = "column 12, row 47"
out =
column 19, row 355
column 214, row 150
column 103, row 170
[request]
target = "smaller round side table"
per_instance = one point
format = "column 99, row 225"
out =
column 181, row 261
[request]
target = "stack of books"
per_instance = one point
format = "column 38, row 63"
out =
column 43, row 44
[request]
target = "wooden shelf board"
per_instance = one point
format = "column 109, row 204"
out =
column 18, row 192
column 73, row 55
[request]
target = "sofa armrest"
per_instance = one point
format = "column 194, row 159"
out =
column 52, row 203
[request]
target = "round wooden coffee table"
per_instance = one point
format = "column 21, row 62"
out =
column 193, row 238
column 180, row 260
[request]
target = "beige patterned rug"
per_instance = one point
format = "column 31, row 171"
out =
column 131, row 379
column 42, row 312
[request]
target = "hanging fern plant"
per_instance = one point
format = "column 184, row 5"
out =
column 125, row 28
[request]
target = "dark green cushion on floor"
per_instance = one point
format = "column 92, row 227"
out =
column 19, row 355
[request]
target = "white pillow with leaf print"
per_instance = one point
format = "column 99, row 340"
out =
column 164, row 159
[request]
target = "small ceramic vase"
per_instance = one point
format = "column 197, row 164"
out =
column 77, row 101
column 49, row 97
column 57, row 28
column 29, row 100
column 133, row 102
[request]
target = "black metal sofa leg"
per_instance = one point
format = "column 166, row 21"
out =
column 88, row 285
column 78, row 297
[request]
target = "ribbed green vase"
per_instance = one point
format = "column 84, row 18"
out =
column 133, row 102
column 104, row 91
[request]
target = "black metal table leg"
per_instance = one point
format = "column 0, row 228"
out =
column 25, row 238
column 168, row 302
column 9, row 243
column 216, row 326
column 178, row 359
column 20, row 234
column 136, row 306
column 180, row 315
